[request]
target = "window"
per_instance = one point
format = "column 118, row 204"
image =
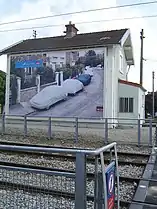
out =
column 121, row 64
column 55, row 57
column 126, row 105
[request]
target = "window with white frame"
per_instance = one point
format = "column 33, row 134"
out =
column 126, row 105
column 121, row 64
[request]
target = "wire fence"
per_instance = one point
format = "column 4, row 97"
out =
column 78, row 131
column 36, row 189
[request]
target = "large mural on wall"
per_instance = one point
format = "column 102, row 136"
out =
column 36, row 79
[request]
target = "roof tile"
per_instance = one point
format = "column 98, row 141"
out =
column 61, row 43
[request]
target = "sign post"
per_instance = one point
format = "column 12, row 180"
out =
column 110, row 175
column 110, row 185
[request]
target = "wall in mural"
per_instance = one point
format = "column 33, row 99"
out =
column 33, row 74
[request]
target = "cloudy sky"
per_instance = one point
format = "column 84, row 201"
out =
column 18, row 10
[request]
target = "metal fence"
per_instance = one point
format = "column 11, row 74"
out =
column 29, row 187
column 82, row 130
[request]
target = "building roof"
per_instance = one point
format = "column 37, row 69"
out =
column 1, row 71
column 95, row 39
column 132, row 84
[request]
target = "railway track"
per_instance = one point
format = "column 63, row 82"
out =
column 36, row 189
column 38, row 160
column 90, row 176
column 135, row 158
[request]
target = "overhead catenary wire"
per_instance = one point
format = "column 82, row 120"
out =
column 80, row 12
column 78, row 23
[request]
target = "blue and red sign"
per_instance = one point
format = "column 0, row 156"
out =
column 110, row 183
column 29, row 63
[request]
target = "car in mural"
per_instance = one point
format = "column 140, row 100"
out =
column 89, row 70
column 84, row 78
column 72, row 86
column 48, row 97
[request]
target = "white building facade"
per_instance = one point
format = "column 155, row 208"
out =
column 113, row 50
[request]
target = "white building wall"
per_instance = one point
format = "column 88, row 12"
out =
column 110, row 83
column 122, row 64
column 129, row 91
column 116, row 61
column 111, row 93
column 141, row 104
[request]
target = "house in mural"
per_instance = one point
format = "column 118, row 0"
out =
column 108, row 53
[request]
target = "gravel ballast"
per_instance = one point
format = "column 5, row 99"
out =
column 88, row 142
column 96, row 135
column 26, row 200
column 124, row 170
column 62, row 184
column 9, row 198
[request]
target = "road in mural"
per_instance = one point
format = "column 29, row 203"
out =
column 36, row 79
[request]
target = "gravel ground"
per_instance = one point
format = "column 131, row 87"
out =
column 7, row 198
column 127, row 190
column 26, row 200
column 59, row 183
column 133, row 149
column 133, row 159
column 89, row 142
column 50, row 161
column 96, row 136
column 131, row 171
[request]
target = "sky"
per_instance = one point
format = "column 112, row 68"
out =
column 18, row 10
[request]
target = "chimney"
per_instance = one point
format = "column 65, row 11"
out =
column 71, row 30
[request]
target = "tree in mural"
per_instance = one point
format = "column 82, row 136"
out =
column 92, row 59
column 47, row 75
column 13, row 88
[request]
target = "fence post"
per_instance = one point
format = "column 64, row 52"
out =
column 80, row 181
column 25, row 125
column 76, row 130
column 3, row 123
column 156, row 134
column 49, row 129
column 106, row 130
column 150, row 132
column 96, row 182
column 18, row 89
column 139, row 133
column 100, row 200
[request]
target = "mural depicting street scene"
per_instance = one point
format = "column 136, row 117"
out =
column 57, row 84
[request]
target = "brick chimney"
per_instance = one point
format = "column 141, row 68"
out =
column 71, row 30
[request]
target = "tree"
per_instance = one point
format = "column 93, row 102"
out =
column 149, row 104
column 2, row 89
column 92, row 59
